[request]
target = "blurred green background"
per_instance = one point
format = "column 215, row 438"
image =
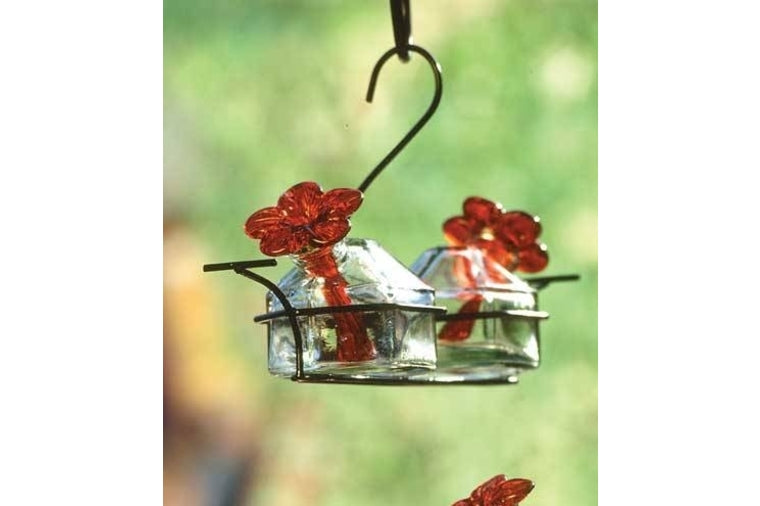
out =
column 260, row 95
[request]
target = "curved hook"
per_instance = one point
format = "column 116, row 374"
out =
column 420, row 123
column 401, row 15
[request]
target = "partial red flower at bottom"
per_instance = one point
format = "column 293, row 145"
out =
column 498, row 491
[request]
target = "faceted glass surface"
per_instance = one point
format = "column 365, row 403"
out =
column 468, row 282
column 401, row 338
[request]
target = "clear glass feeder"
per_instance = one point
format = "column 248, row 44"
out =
column 388, row 313
column 491, row 329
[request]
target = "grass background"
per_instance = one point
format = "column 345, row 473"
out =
column 261, row 95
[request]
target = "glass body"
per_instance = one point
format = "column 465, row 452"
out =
column 402, row 339
column 471, row 285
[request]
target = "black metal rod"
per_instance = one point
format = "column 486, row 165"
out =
column 541, row 282
column 401, row 15
column 289, row 309
column 420, row 123
column 244, row 264
column 353, row 308
column 405, row 381
column 484, row 315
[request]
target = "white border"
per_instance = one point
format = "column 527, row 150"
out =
column 678, row 330
column 81, row 207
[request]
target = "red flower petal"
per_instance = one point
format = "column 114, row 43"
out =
column 459, row 230
column 510, row 493
column 300, row 204
column 329, row 231
column 498, row 491
column 497, row 252
column 284, row 242
column 463, row 272
column 534, row 258
column 262, row 221
column 463, row 502
column 340, row 202
column 482, row 210
column 518, row 228
column 478, row 495
column 459, row 330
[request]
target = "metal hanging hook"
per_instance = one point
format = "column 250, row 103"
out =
column 401, row 15
column 420, row 123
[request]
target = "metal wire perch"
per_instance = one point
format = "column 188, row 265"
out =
column 408, row 377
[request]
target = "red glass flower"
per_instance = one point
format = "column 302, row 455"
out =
column 306, row 222
column 507, row 237
column 304, row 219
column 498, row 491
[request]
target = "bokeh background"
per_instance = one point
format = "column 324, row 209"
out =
column 260, row 95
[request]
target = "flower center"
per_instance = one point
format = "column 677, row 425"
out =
column 487, row 234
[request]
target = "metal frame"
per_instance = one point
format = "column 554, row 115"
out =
column 504, row 313
column 420, row 376
column 380, row 306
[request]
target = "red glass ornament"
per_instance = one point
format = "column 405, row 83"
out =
column 502, row 235
column 498, row 491
column 459, row 330
column 507, row 238
column 533, row 258
column 306, row 223
column 304, row 219
column 518, row 228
